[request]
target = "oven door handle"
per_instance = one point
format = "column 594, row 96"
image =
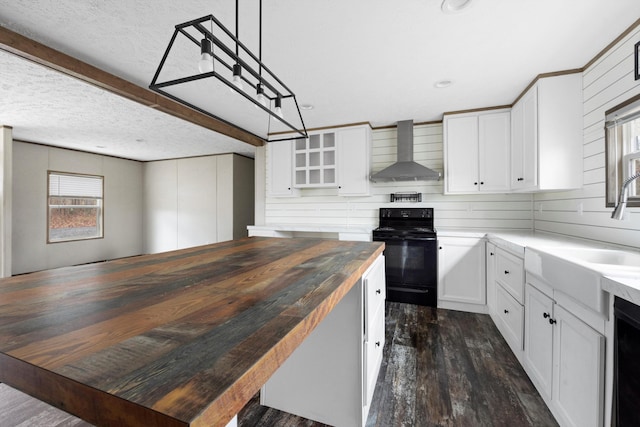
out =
column 388, row 238
column 420, row 239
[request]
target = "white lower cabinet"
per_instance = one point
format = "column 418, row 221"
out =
column 539, row 339
column 508, row 276
column 331, row 376
column 491, row 279
column 510, row 314
column 564, row 358
column 461, row 273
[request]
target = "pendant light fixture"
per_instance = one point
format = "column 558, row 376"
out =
column 205, row 65
column 279, row 107
column 260, row 97
column 223, row 58
column 237, row 69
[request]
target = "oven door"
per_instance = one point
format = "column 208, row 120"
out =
column 411, row 267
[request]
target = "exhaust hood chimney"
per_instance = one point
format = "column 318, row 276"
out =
column 405, row 169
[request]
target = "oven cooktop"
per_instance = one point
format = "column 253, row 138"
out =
column 405, row 221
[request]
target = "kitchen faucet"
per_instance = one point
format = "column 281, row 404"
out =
column 622, row 200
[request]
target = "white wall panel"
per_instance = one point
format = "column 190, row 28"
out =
column 160, row 206
column 122, row 204
column 225, row 189
column 193, row 201
column 30, row 163
column 196, row 202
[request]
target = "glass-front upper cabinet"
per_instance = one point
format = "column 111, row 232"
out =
column 315, row 161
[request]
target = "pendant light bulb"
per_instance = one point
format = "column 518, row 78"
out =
column 261, row 98
column 278, row 110
column 205, row 65
column 237, row 76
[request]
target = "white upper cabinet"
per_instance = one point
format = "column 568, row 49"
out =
column 354, row 161
column 547, row 139
column 280, row 160
column 476, row 151
column 333, row 158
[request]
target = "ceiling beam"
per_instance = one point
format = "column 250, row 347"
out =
column 32, row 50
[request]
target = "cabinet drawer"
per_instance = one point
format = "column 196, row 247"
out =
column 510, row 274
column 374, row 292
column 373, row 356
column 511, row 315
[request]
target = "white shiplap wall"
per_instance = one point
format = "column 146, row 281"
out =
column 582, row 213
column 324, row 206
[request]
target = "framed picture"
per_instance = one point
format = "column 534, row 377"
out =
column 636, row 60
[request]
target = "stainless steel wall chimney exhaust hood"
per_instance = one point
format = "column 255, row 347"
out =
column 405, row 169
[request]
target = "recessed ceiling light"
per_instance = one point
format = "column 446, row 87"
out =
column 306, row 107
column 453, row 6
column 443, row 83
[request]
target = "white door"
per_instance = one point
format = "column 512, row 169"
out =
column 461, row 145
column 461, row 264
column 281, row 169
column 517, row 146
column 491, row 278
column 538, row 345
column 353, row 162
column 530, row 142
column 579, row 371
column 494, row 140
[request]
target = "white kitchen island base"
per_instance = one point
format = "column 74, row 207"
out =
column 331, row 376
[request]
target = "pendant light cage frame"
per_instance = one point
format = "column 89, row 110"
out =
column 224, row 57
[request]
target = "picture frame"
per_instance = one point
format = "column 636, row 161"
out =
column 636, row 60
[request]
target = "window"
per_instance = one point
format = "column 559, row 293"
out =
column 622, row 126
column 74, row 207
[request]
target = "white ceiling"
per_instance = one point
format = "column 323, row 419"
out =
column 354, row 60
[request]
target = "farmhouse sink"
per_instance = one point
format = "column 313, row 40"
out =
column 605, row 260
column 578, row 271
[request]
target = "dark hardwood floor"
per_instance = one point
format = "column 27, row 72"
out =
column 440, row 368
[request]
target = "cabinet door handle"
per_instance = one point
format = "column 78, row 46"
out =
column 481, row 182
column 440, row 247
column 506, row 311
column 552, row 321
column 377, row 343
column 520, row 179
column 506, row 272
column 491, row 253
column 546, row 315
column 475, row 183
column 378, row 291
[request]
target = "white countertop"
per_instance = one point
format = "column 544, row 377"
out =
column 623, row 287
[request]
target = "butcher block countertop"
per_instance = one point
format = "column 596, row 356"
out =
column 181, row 338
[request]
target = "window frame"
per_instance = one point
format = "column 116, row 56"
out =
column 614, row 150
column 100, row 206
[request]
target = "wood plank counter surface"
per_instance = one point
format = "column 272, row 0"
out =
column 181, row 338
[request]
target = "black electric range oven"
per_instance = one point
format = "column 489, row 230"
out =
column 411, row 254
